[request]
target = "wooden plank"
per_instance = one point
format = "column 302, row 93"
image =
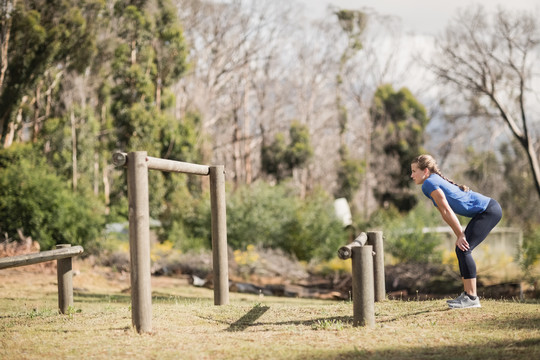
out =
column 35, row 258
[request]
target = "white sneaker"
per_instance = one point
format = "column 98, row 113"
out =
column 465, row 302
column 458, row 299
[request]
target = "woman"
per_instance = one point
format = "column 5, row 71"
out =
column 451, row 199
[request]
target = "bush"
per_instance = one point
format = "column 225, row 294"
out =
column 530, row 260
column 41, row 204
column 276, row 217
column 186, row 219
column 404, row 236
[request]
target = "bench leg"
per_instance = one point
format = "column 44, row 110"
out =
column 65, row 282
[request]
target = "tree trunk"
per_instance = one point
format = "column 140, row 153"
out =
column 535, row 166
column 74, row 150
column 96, row 174
column 6, row 32
column 10, row 134
column 12, row 125
column 236, row 152
column 247, row 139
column 158, row 93
column 36, row 114
column 106, row 187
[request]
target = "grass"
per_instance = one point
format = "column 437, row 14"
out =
column 186, row 325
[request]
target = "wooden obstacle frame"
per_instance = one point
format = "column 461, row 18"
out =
column 138, row 163
column 63, row 255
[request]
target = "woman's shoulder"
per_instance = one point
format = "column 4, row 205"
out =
column 434, row 179
column 431, row 183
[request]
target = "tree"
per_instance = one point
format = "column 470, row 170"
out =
column 39, row 39
column 350, row 174
column 350, row 170
column 279, row 159
column 491, row 60
column 399, row 121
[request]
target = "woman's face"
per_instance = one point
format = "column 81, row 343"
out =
column 418, row 175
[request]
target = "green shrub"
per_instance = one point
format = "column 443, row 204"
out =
column 186, row 219
column 42, row 205
column 530, row 260
column 276, row 217
column 404, row 236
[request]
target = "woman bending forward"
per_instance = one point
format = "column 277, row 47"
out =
column 451, row 199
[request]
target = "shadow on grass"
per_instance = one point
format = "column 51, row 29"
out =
column 493, row 350
column 346, row 319
column 101, row 298
column 247, row 320
column 126, row 298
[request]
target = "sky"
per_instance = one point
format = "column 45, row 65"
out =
column 422, row 17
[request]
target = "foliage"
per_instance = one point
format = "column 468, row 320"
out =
column 332, row 266
column 517, row 197
column 531, row 253
column 405, row 239
column 399, row 121
column 186, row 219
column 150, row 54
column 42, row 38
column 279, row 159
column 350, row 174
column 275, row 217
column 41, row 204
column 246, row 260
column 503, row 176
column 41, row 42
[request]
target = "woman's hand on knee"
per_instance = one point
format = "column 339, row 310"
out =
column 462, row 243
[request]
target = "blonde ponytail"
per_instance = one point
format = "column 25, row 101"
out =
column 428, row 162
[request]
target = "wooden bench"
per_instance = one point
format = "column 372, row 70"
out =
column 62, row 254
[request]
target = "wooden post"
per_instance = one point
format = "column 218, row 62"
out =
column 139, row 241
column 219, row 235
column 64, row 275
column 375, row 238
column 363, row 292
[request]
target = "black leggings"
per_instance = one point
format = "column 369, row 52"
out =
column 475, row 232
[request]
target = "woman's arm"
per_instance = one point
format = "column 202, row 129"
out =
column 449, row 216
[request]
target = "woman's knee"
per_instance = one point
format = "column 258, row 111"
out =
column 462, row 254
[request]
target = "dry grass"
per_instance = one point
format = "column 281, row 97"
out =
column 186, row 325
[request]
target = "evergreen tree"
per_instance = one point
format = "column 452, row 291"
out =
column 399, row 121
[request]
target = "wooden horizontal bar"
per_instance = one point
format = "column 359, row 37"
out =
column 345, row 252
column 43, row 256
column 120, row 159
column 176, row 166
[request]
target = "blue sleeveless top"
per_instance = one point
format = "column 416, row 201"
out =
column 465, row 203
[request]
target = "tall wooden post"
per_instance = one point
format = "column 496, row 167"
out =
column 375, row 238
column 363, row 292
column 65, row 281
column 139, row 241
column 219, row 235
